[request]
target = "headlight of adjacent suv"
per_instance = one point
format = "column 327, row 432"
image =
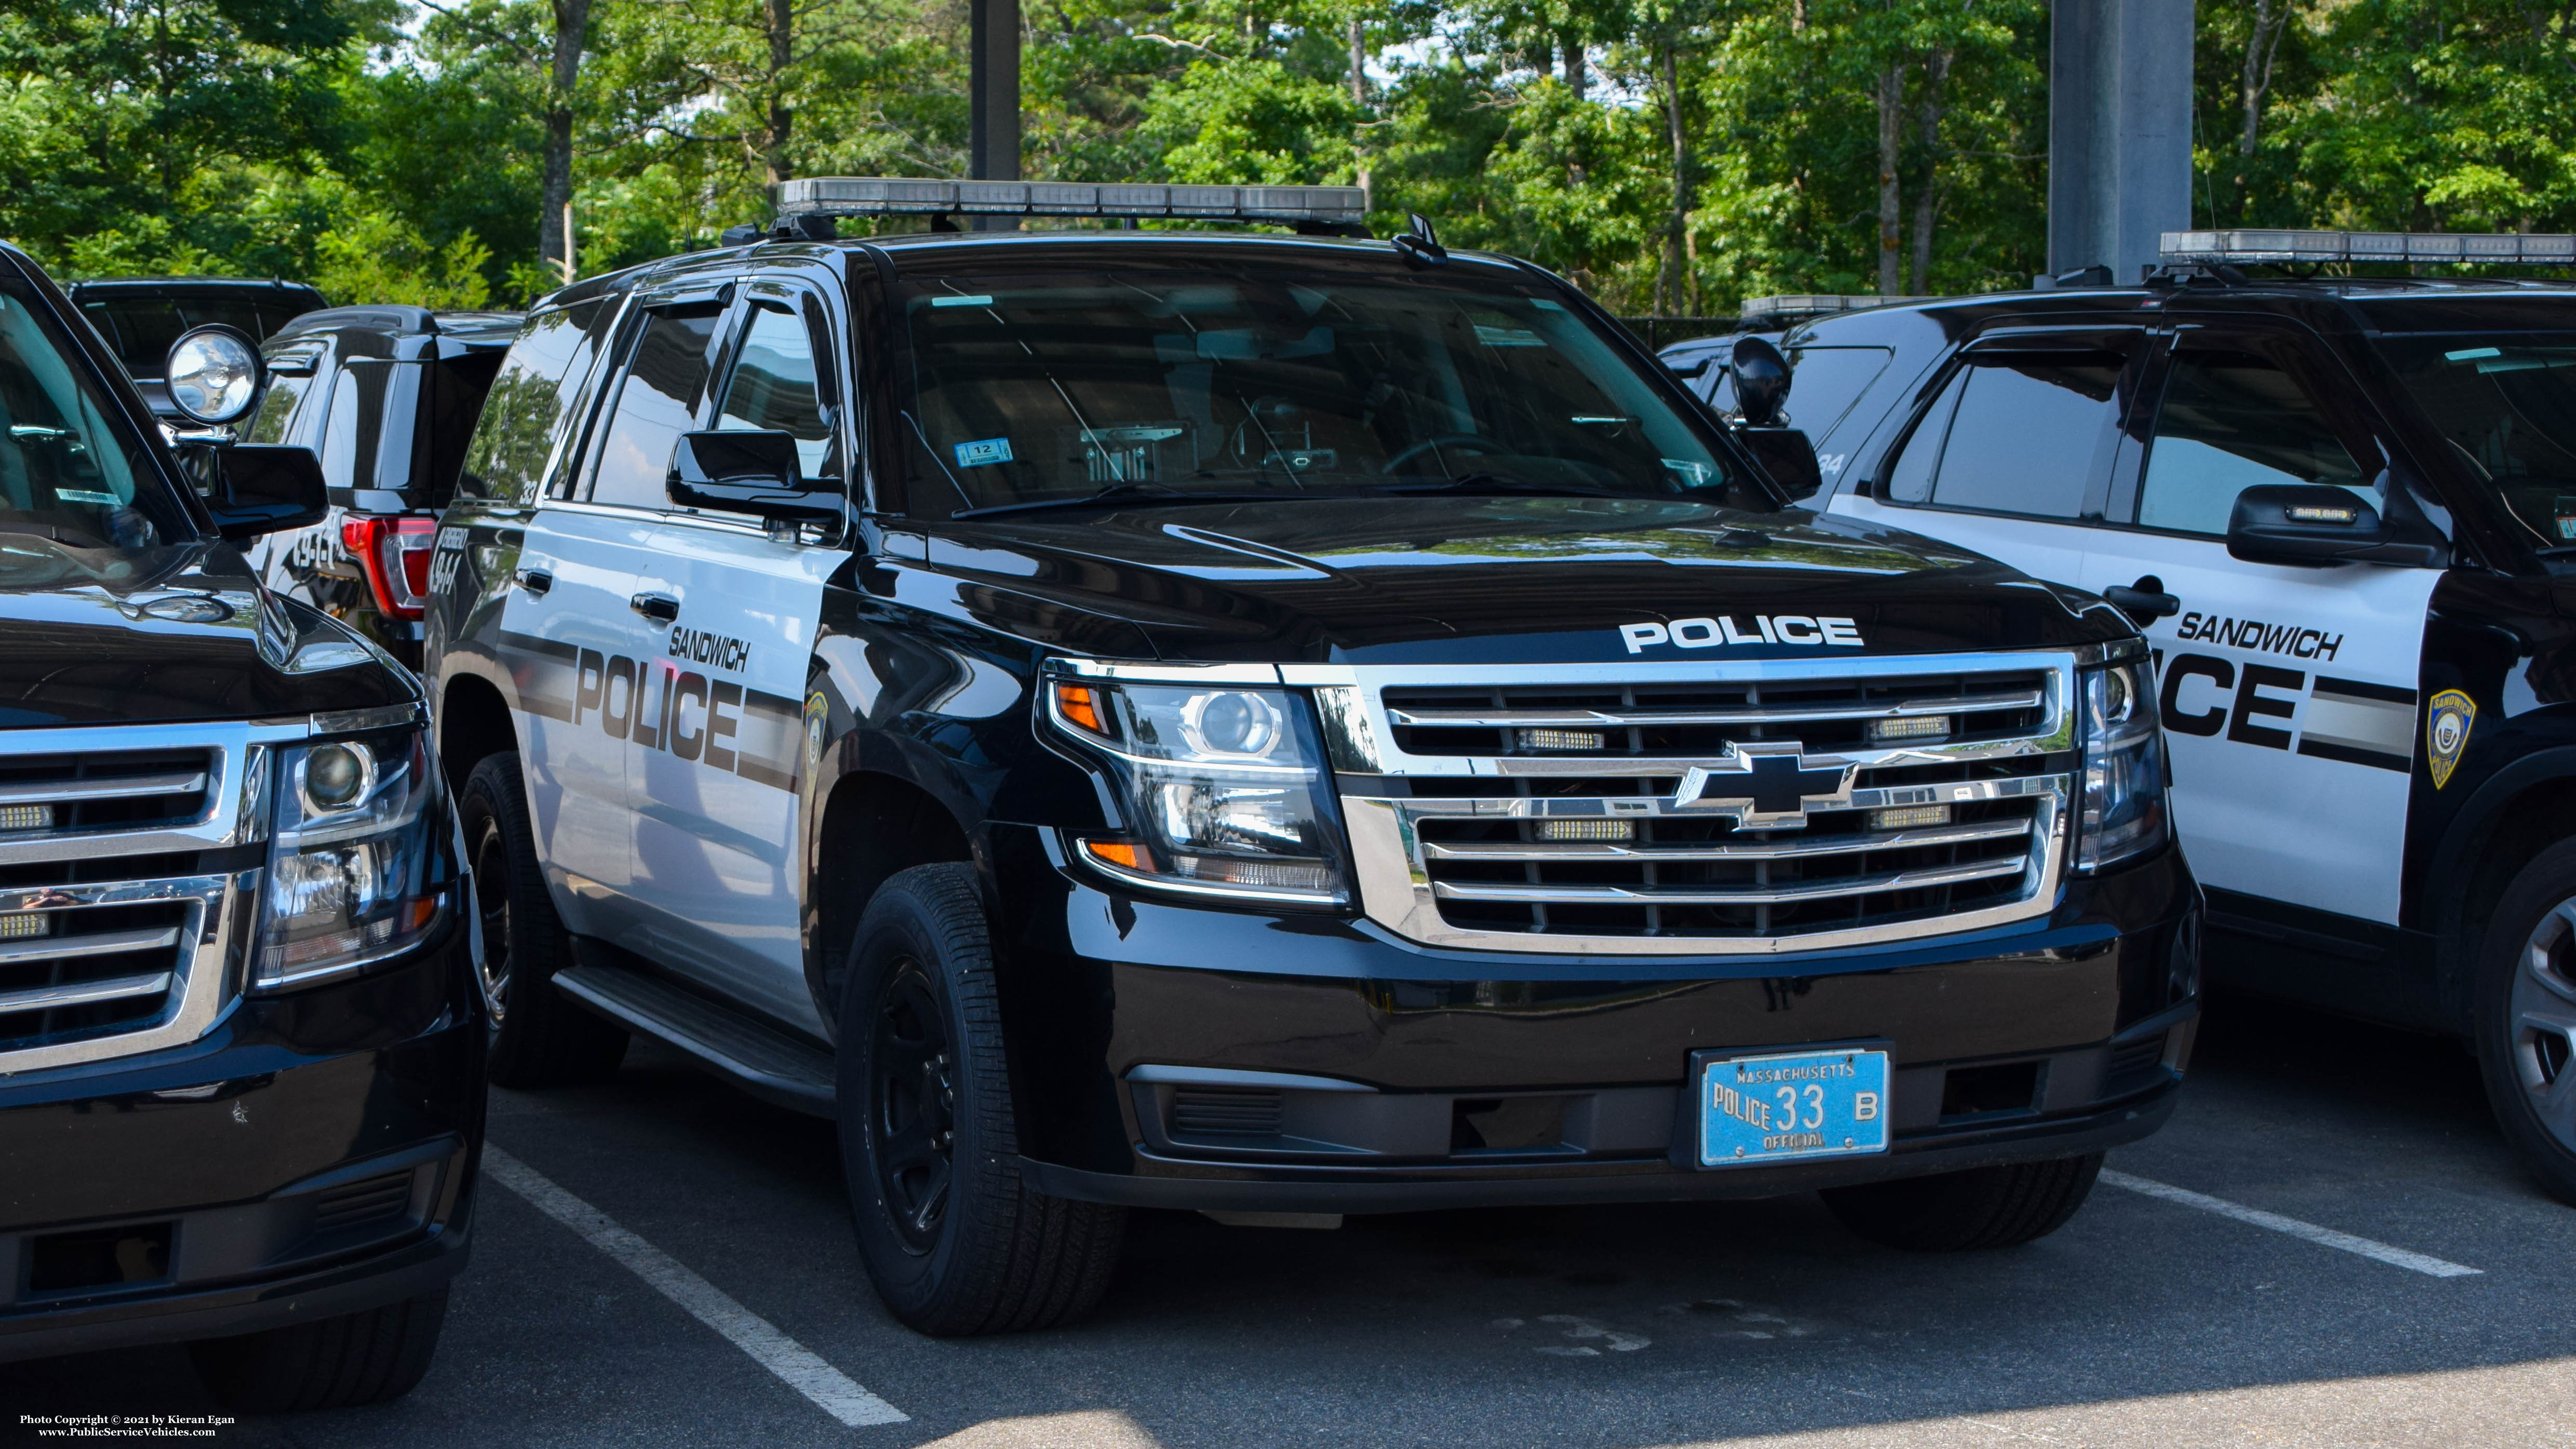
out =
column 2123, row 812
column 358, row 869
column 1221, row 788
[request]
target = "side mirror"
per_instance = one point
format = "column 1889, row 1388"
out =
column 265, row 488
column 1787, row 455
column 2317, row 524
column 748, row 472
column 213, row 373
column 1761, row 381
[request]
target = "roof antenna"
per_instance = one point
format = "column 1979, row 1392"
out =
column 1420, row 244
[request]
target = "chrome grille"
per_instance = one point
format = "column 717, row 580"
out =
column 1560, row 808
column 69, row 972
column 1645, row 721
column 121, row 885
column 81, row 794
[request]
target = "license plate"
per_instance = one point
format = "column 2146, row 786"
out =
column 1795, row 1105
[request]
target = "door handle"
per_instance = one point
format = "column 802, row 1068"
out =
column 535, row 581
column 660, row 608
column 2144, row 601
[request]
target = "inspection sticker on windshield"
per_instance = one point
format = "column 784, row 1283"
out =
column 1803, row 1104
column 983, row 451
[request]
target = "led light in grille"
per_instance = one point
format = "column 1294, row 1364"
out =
column 21, row 925
column 1918, row 727
column 1909, row 817
column 1561, row 739
column 1587, row 830
column 26, row 817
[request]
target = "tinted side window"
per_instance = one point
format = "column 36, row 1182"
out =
column 773, row 388
column 523, row 417
column 356, row 420
column 2027, row 433
column 2232, row 421
column 276, row 416
column 657, row 401
column 1824, row 382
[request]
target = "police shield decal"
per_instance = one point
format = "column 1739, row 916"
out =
column 2446, row 732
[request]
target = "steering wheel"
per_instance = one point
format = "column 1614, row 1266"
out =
column 1441, row 440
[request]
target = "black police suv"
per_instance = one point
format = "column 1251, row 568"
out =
column 241, row 1045
column 387, row 396
column 140, row 318
column 1272, row 724
column 2345, row 510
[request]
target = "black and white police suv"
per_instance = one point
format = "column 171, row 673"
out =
column 2346, row 510
column 1272, row 724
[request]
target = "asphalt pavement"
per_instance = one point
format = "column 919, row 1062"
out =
column 2288, row 1263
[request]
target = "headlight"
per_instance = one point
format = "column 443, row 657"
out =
column 357, row 867
column 2123, row 812
column 1221, row 788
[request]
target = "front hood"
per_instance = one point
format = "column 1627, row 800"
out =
column 97, row 637
column 1506, row 580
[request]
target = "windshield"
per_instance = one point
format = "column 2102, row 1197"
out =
column 1031, row 390
column 2507, row 402
column 139, row 329
column 70, row 470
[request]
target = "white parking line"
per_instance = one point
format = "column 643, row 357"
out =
column 2325, row 1237
column 807, row 1374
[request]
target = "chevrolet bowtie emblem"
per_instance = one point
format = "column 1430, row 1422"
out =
column 1767, row 786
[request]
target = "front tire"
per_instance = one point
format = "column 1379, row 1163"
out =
column 539, row 1039
column 337, row 1363
column 1983, row 1207
column 954, row 1239
column 2525, row 1018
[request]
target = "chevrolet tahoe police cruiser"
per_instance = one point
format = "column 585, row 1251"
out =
column 2346, row 510
column 241, row 1047
column 1272, row 724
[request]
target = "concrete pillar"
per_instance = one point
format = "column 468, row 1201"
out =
column 993, row 147
column 2119, row 131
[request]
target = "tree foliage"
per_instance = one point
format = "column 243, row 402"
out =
column 1666, row 154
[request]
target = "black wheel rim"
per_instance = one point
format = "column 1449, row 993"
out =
column 492, row 903
column 2543, row 1022
column 912, row 1107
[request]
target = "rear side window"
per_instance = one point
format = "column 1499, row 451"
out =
column 2233, row 421
column 1824, row 383
column 2014, row 432
column 524, row 414
column 656, row 402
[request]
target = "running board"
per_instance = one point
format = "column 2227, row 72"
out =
column 762, row 1060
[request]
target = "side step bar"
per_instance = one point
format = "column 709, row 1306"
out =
column 762, row 1060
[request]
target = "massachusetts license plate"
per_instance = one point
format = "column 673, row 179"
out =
column 1801, row 1104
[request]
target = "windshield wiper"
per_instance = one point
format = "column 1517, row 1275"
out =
column 1126, row 493
column 1506, row 483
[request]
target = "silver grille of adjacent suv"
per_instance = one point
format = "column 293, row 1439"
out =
column 121, row 897
column 1703, row 808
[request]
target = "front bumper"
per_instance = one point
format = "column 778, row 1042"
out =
column 1170, row 1056
column 312, row 1155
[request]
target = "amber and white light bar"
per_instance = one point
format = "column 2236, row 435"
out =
column 905, row 196
column 2545, row 249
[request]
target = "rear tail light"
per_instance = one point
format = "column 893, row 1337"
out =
column 394, row 551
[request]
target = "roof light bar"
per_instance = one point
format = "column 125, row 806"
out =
column 2185, row 247
column 902, row 196
column 1815, row 304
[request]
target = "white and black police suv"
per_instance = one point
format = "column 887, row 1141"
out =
column 2345, row 509
column 1271, row 723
